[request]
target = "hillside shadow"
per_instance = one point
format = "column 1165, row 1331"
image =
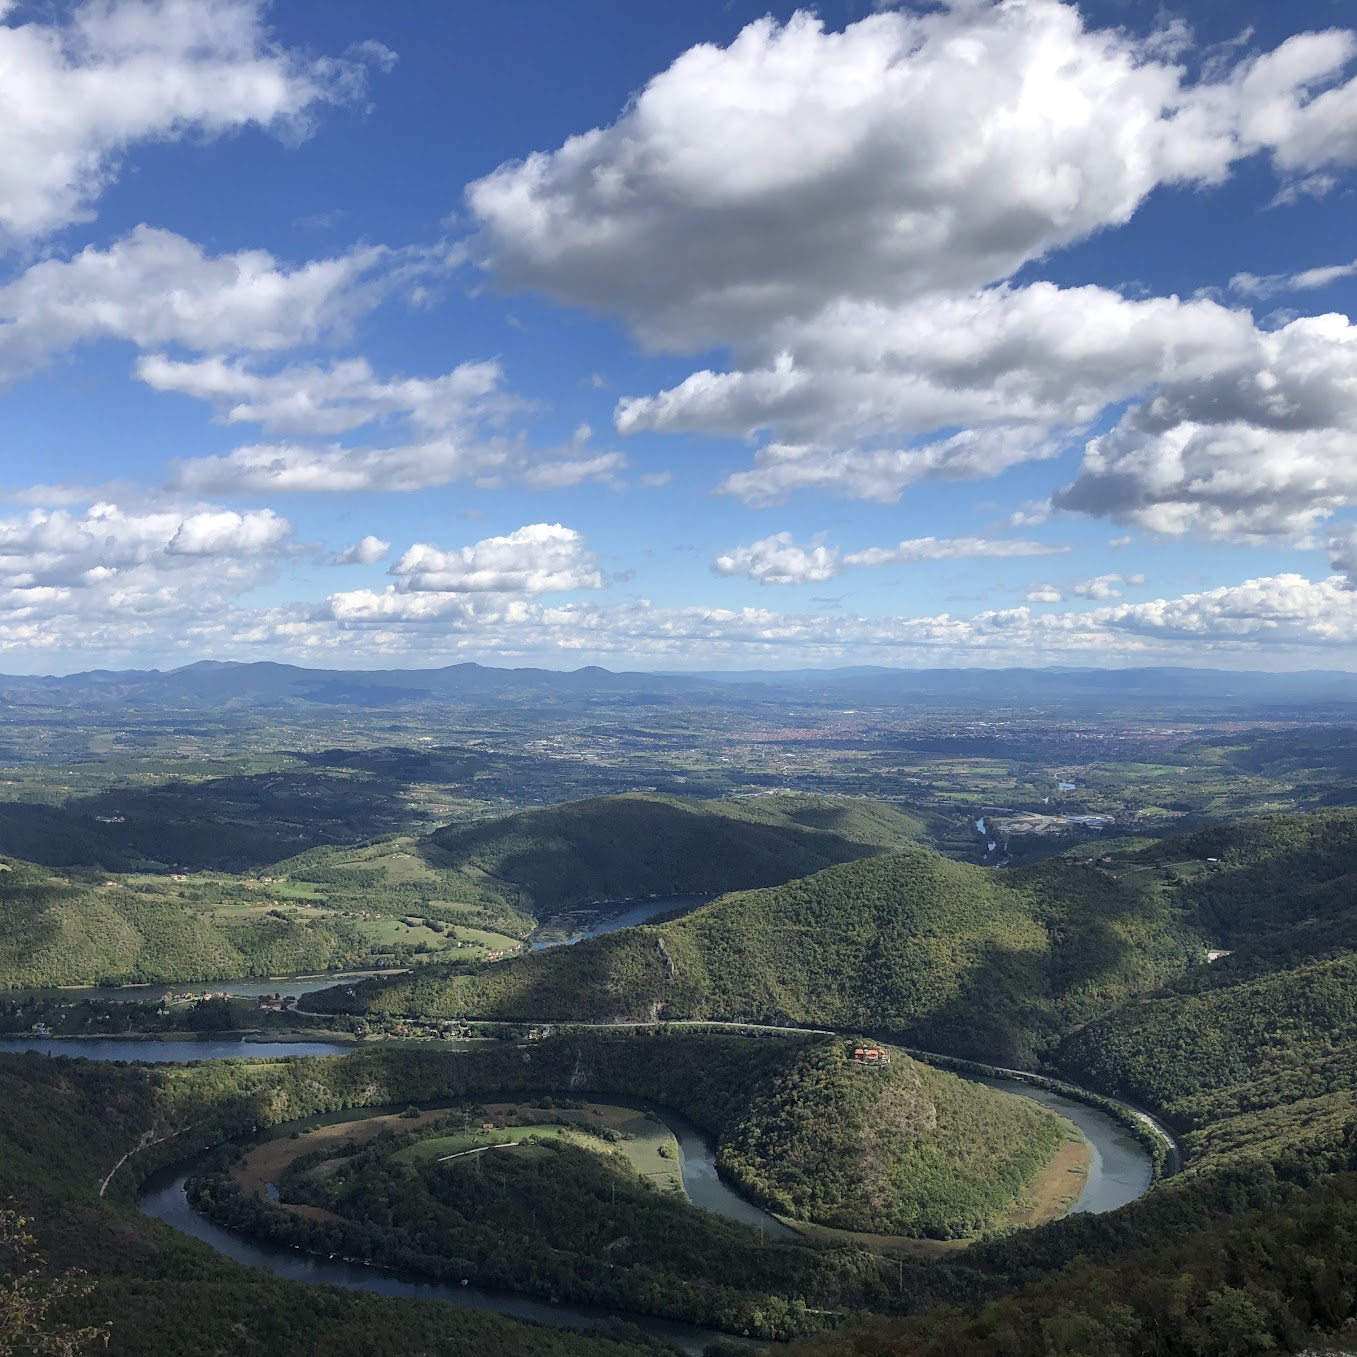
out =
column 614, row 850
column 223, row 824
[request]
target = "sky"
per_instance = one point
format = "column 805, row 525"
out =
column 714, row 335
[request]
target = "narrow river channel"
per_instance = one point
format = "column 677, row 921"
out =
column 1119, row 1171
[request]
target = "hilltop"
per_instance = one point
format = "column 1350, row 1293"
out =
column 996, row 965
column 478, row 887
column 952, row 956
column 610, row 848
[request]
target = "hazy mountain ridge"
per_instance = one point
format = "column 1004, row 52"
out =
column 225, row 684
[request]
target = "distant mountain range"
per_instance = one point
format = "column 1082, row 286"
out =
column 214, row 684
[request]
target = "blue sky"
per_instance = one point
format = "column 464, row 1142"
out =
column 681, row 336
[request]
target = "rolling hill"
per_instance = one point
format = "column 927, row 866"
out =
column 506, row 875
column 954, row 957
column 611, row 848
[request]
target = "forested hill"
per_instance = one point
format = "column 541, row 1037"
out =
column 1245, row 881
column 954, row 957
column 628, row 847
column 57, row 930
column 1274, row 1022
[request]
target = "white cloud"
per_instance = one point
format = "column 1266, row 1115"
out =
column 1286, row 620
column 289, row 468
column 780, row 559
column 1044, row 593
column 223, row 532
column 882, row 474
column 1244, row 623
column 451, row 428
column 839, row 210
column 1265, row 446
column 305, row 398
column 1038, row 356
column 908, row 154
column 948, row 549
column 88, row 569
column 282, row 468
column 1268, row 285
column 559, row 472
column 367, row 551
column 433, row 584
column 1280, row 611
column 535, row 559
column 154, row 288
column 79, row 92
column 1103, row 587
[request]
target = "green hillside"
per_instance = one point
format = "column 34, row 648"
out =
column 1273, row 1021
column 902, row 1149
column 55, row 931
column 770, row 1100
column 955, row 957
column 480, row 886
column 629, row 847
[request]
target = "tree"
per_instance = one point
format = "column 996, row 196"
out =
column 29, row 1294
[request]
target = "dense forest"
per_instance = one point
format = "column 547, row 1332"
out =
column 1272, row 1281
column 56, row 931
column 79, row 925
column 952, row 957
column 629, row 847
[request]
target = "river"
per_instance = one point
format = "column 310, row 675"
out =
column 1119, row 1171
column 166, row 1050
column 630, row 914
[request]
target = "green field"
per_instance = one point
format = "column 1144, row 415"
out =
column 648, row 1146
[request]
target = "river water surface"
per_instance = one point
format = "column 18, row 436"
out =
column 1119, row 1171
column 632, row 913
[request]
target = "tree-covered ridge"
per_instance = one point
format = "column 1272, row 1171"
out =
column 56, row 930
column 798, row 1125
column 322, row 909
column 1185, row 1053
column 1277, row 1281
column 1264, row 874
column 627, row 847
column 954, row 957
column 901, row 1149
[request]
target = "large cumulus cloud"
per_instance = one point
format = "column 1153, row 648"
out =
column 842, row 214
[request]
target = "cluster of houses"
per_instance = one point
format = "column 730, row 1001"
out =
column 871, row 1055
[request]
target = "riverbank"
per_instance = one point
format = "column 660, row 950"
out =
column 1165, row 1153
column 697, row 1154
